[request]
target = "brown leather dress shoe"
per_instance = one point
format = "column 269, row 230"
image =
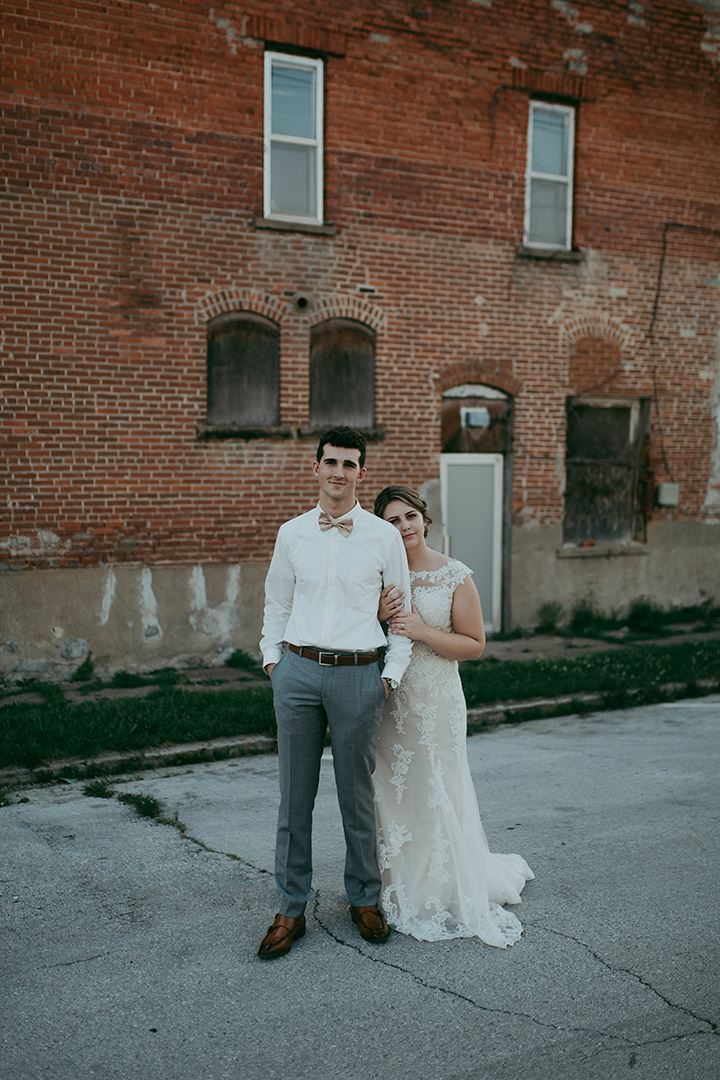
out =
column 371, row 923
column 280, row 936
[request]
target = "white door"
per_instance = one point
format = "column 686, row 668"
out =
column 471, row 492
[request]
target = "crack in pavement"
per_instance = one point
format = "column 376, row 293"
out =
column 655, row 1042
column 675, row 1038
column 181, row 827
column 514, row 1015
column 711, row 1027
column 69, row 963
column 644, row 982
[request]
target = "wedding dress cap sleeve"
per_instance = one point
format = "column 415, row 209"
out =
column 451, row 574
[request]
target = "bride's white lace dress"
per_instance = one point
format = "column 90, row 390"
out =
column 440, row 879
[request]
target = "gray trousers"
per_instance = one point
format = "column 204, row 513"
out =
column 309, row 697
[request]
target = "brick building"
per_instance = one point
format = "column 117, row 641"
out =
column 487, row 233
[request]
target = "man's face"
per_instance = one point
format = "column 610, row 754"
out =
column 339, row 473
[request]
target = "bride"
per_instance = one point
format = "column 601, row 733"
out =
column 439, row 878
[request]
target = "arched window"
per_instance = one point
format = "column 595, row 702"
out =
column 342, row 374
column 243, row 371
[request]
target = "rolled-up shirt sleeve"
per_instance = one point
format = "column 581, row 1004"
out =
column 396, row 572
column 279, row 589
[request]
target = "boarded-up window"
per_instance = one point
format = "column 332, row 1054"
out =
column 342, row 374
column 243, row 367
column 605, row 458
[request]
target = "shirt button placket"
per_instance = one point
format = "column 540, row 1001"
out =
column 331, row 591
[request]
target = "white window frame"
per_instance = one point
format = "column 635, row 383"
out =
column 289, row 59
column 569, row 111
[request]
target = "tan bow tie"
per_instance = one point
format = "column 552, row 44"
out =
column 343, row 525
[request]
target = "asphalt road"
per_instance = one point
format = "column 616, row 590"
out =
column 128, row 948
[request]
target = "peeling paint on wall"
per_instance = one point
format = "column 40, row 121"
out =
column 129, row 617
column 576, row 61
column 43, row 543
column 570, row 13
column 218, row 621
column 108, row 596
column 635, row 17
column 74, row 649
column 231, row 34
column 573, row 17
column 149, row 606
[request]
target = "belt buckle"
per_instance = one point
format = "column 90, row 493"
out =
column 326, row 663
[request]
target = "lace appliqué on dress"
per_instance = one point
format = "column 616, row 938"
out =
column 440, row 879
column 390, row 842
column 401, row 763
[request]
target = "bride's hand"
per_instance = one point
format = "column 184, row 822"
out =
column 409, row 624
column 390, row 605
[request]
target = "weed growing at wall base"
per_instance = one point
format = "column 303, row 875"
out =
column 31, row 735
column 619, row 669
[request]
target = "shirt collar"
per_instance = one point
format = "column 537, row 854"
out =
column 354, row 513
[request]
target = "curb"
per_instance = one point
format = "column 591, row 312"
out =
column 479, row 718
column 152, row 758
column 484, row 717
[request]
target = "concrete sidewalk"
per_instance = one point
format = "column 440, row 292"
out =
column 129, row 949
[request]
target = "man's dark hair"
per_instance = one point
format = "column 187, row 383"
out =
column 346, row 438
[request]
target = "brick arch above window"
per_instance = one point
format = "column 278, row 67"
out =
column 597, row 325
column 235, row 299
column 475, row 372
column 599, row 352
column 339, row 306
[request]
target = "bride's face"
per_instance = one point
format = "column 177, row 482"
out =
column 408, row 521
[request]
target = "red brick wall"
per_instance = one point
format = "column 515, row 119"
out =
column 132, row 156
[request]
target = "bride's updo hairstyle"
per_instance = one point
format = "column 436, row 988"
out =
column 406, row 495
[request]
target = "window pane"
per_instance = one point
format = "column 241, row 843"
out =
column 550, row 142
column 548, row 213
column 293, row 101
column 292, row 180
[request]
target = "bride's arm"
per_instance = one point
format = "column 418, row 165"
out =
column 466, row 641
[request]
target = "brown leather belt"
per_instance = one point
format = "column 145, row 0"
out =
column 328, row 658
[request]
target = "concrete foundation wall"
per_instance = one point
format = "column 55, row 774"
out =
column 679, row 565
column 129, row 617
column 137, row 618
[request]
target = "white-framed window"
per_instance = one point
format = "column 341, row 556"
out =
column 549, row 180
column 293, row 152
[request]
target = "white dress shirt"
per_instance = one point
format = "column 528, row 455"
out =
column 323, row 588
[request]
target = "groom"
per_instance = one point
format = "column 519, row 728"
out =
column 321, row 647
